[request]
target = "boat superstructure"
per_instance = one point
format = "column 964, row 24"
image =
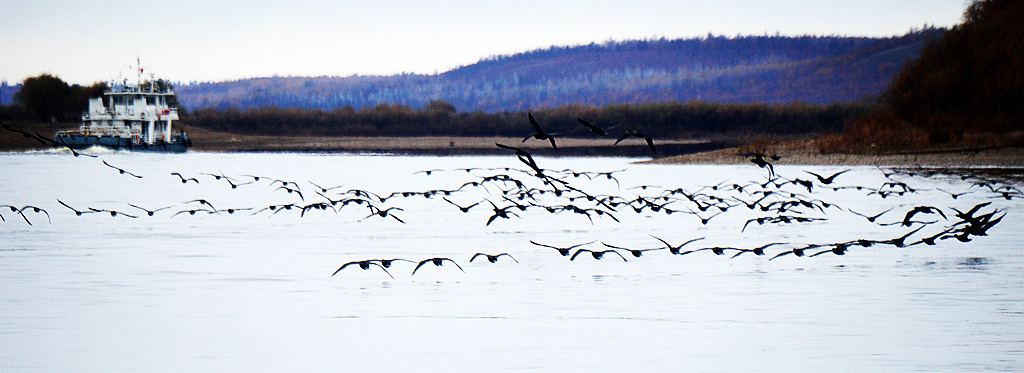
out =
column 130, row 116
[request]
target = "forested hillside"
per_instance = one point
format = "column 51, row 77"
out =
column 966, row 90
column 766, row 69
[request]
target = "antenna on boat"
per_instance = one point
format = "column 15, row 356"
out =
column 138, row 71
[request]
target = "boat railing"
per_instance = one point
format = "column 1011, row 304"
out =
column 96, row 131
column 97, row 116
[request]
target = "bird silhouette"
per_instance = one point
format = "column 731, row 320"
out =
column 35, row 210
column 364, row 264
column 149, row 212
column 436, row 262
column 492, row 258
column 827, row 180
column 704, row 220
column 113, row 213
column 461, row 208
column 899, row 241
column 758, row 159
column 121, row 170
column 539, row 133
column 193, row 212
column 796, row 251
column 500, row 213
column 675, row 250
column 873, row 217
column 183, row 179
column 77, row 212
column 203, row 202
column 290, row 191
column 635, row 252
column 970, row 213
column 374, row 211
column 632, row 133
column 386, row 263
column 597, row 254
column 234, row 184
column 759, row 251
column 324, row 189
column 564, row 251
column 717, row 250
column 921, row 210
column 524, row 157
column 952, row 194
column 595, row 129
column 837, row 249
column 18, row 211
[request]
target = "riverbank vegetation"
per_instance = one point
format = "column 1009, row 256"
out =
column 674, row 120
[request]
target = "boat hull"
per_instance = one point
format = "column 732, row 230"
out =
column 120, row 143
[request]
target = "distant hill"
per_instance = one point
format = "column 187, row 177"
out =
column 768, row 69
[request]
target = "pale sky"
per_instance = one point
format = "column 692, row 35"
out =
column 86, row 41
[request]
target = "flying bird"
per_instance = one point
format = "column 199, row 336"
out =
column 632, row 133
column 436, row 262
column 675, row 250
column 113, row 213
column 597, row 254
column 873, row 217
column 19, row 212
column 595, row 129
column 921, row 210
column 564, row 251
column 183, row 179
column 500, row 213
column 364, row 264
column 635, row 252
column 758, row 159
column 524, row 157
column 759, row 251
column 492, row 258
column 149, row 212
column 829, row 179
column 539, row 133
column 77, row 212
column 461, row 208
column 386, row 263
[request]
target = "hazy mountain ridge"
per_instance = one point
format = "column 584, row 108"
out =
column 770, row 69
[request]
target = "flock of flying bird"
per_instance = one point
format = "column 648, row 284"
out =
column 512, row 191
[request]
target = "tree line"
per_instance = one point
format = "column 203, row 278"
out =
column 438, row 118
column 48, row 99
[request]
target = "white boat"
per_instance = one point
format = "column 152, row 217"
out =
column 132, row 117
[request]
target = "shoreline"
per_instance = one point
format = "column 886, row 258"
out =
column 711, row 151
column 1001, row 157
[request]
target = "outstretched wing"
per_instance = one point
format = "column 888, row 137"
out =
column 456, row 264
column 508, row 255
column 418, row 265
column 536, row 126
column 573, row 257
column 650, row 144
column 343, row 267
column 593, row 128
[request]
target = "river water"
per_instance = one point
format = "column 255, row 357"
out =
column 252, row 289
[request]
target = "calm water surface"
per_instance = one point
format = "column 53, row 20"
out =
column 254, row 292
